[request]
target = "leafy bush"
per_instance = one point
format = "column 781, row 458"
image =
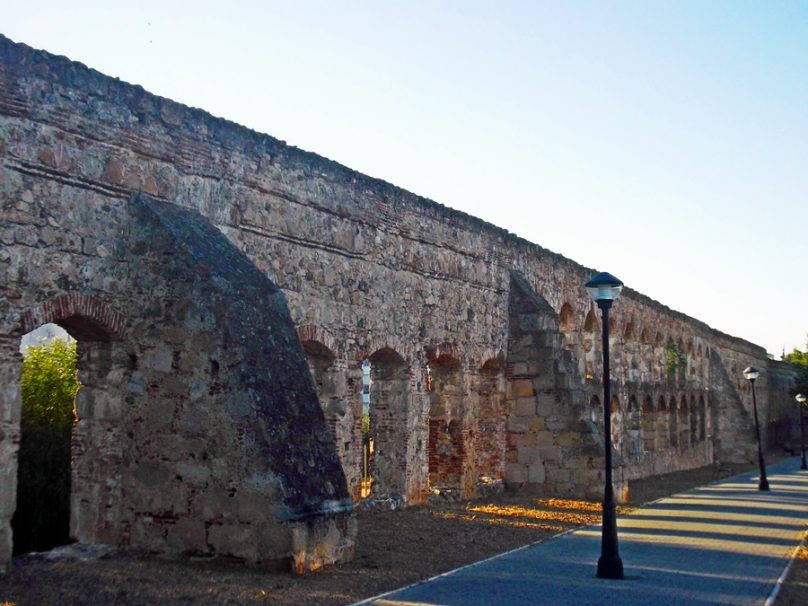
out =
column 49, row 385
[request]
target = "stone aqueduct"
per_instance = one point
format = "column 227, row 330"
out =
column 202, row 266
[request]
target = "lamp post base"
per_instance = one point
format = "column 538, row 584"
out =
column 610, row 567
column 763, row 484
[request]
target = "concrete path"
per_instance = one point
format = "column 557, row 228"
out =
column 723, row 543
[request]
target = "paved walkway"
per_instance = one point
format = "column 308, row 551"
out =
column 723, row 543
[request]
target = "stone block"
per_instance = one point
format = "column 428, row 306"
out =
column 525, row 407
column 515, row 474
column 527, row 454
column 536, row 473
column 567, row 438
column 522, row 388
column 559, row 476
column 518, row 424
column 545, row 438
column 537, row 423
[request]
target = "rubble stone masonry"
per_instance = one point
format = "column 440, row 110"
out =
column 182, row 251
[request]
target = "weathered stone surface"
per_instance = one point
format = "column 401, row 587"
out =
column 479, row 343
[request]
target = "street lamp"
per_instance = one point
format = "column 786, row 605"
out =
column 803, row 402
column 751, row 373
column 604, row 288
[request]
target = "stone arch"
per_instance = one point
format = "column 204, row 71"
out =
column 617, row 424
column 41, row 520
column 648, row 425
column 566, row 318
column 104, row 369
column 662, row 424
column 645, row 354
column 673, row 423
column 681, row 367
column 634, row 427
column 658, row 360
column 317, row 334
column 693, row 413
column 595, row 410
column 591, row 322
column 684, row 423
column 628, row 332
column 702, row 418
column 448, row 431
column 83, row 316
column 389, row 404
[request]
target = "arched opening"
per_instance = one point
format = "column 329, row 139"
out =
column 694, row 421
column 628, row 333
column 673, row 423
column 96, row 442
column 368, row 444
column 388, row 405
column 646, row 355
column 566, row 318
column 447, row 434
column 591, row 322
column 48, row 387
column 648, row 425
column 589, row 346
column 596, row 410
column 616, row 420
column 684, row 424
column 658, row 360
column 671, row 359
column 662, row 424
column 634, row 436
column 702, row 419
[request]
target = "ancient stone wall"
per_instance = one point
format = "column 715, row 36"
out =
column 462, row 400
column 185, row 442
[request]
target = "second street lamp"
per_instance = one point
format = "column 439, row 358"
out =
column 803, row 402
column 604, row 288
column 751, row 374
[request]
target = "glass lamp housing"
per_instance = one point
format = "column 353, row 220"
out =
column 751, row 373
column 801, row 399
column 604, row 286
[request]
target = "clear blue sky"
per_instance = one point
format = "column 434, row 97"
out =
column 665, row 142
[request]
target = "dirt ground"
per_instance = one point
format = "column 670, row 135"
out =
column 394, row 548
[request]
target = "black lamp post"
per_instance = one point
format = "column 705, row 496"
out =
column 604, row 288
column 751, row 374
column 803, row 402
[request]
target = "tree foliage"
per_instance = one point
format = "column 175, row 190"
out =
column 675, row 359
column 49, row 384
column 799, row 361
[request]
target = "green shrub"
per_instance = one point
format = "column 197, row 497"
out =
column 49, row 385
